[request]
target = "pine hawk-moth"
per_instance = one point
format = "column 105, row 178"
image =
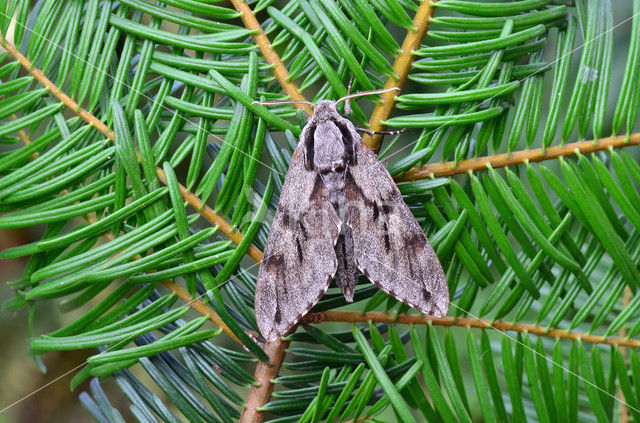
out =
column 340, row 212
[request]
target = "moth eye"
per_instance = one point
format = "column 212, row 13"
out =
column 324, row 171
column 339, row 167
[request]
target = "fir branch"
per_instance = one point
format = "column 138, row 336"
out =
column 208, row 213
column 56, row 91
column 502, row 326
column 194, row 201
column 519, row 157
column 235, row 236
column 270, row 55
column 200, row 307
column 180, row 292
column 260, row 393
column 401, row 68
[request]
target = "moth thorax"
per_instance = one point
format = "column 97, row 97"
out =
column 328, row 148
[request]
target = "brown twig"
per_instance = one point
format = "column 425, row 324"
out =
column 401, row 68
column 415, row 319
column 269, row 54
column 518, row 157
column 200, row 307
column 208, row 213
column 260, row 393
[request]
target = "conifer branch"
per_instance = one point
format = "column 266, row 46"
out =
column 416, row 319
column 401, row 68
column 260, row 393
column 264, row 45
column 195, row 202
column 200, row 307
column 518, row 157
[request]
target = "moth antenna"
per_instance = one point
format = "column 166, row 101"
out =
column 363, row 93
column 284, row 102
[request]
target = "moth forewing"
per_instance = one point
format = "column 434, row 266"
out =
column 339, row 208
column 390, row 247
column 299, row 259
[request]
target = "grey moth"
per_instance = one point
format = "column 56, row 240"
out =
column 340, row 212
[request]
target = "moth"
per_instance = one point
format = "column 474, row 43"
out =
column 340, row 212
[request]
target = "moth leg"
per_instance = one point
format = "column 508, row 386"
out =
column 365, row 145
column 347, row 102
column 371, row 133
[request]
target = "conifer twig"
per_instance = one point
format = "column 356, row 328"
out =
column 269, row 54
column 401, row 68
column 260, row 393
column 195, row 202
column 416, row 319
column 70, row 103
column 518, row 157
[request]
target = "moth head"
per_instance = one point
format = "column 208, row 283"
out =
column 325, row 109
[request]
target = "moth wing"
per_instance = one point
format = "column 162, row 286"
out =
column 299, row 257
column 390, row 247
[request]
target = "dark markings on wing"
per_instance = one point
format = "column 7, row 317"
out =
column 308, row 138
column 390, row 247
column 299, row 248
column 299, row 257
column 426, row 295
column 347, row 139
column 414, row 240
column 305, row 234
column 387, row 242
column 286, row 221
column 277, row 318
column 275, row 261
column 354, row 193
